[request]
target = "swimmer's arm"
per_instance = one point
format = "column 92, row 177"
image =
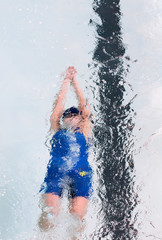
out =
column 59, row 104
column 81, row 99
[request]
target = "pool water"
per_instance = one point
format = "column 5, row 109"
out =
column 116, row 49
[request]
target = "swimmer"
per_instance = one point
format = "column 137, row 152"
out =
column 68, row 166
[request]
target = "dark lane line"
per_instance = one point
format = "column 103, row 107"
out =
column 113, row 132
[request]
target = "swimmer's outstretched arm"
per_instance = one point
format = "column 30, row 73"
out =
column 80, row 96
column 60, row 101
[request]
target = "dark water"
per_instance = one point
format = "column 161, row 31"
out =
column 113, row 131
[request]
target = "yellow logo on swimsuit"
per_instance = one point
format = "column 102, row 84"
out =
column 83, row 173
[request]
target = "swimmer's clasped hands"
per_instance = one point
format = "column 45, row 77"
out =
column 70, row 73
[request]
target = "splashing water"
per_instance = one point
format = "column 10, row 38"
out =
column 116, row 45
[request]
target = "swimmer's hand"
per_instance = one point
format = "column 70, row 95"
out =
column 70, row 73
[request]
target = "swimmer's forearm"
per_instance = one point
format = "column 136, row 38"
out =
column 79, row 92
column 59, row 104
column 63, row 90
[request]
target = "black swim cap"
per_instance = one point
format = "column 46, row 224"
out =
column 70, row 111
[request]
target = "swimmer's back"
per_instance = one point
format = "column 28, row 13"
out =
column 67, row 145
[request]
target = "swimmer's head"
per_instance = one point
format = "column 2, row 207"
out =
column 70, row 111
column 71, row 117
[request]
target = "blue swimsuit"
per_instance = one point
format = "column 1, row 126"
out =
column 68, row 166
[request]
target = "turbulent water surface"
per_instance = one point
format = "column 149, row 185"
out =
column 116, row 49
